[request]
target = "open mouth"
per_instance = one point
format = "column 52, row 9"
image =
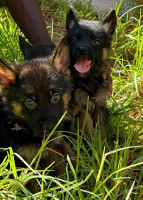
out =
column 82, row 65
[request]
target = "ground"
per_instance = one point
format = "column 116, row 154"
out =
column 104, row 5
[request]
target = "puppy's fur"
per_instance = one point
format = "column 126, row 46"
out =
column 34, row 95
column 35, row 51
column 89, row 43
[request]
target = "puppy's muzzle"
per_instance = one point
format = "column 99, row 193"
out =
column 83, row 50
column 46, row 125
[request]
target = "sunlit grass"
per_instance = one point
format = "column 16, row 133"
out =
column 112, row 169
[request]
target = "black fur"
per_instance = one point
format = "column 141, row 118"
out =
column 34, row 95
column 88, row 38
column 89, row 44
column 35, row 51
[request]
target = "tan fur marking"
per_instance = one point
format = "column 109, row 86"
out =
column 101, row 98
column 81, row 97
column 24, row 71
column 52, row 87
column 89, row 122
column 28, row 89
column 106, row 26
column 28, row 151
column 66, row 74
column 105, row 54
column 27, row 69
column 46, row 66
column 61, row 57
column 17, row 109
column 65, row 98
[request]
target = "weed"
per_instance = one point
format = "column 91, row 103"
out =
column 114, row 172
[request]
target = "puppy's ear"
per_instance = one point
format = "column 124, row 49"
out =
column 61, row 58
column 24, row 46
column 71, row 19
column 7, row 75
column 109, row 23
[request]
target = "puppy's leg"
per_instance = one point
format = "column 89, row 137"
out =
column 101, row 116
column 89, row 128
column 57, row 152
column 28, row 152
column 55, row 156
column 67, row 150
column 33, row 186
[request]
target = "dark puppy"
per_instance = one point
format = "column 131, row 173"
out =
column 35, row 51
column 35, row 94
column 89, row 44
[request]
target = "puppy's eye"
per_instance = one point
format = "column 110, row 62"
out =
column 55, row 98
column 74, row 39
column 97, row 42
column 31, row 104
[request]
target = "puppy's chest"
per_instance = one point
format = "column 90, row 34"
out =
column 94, row 88
column 89, row 85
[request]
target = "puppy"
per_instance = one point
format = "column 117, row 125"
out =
column 30, row 51
column 34, row 95
column 89, row 43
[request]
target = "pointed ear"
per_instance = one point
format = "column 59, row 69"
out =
column 7, row 75
column 61, row 58
column 71, row 18
column 109, row 23
column 24, row 46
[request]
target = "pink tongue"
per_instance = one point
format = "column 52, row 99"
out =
column 82, row 65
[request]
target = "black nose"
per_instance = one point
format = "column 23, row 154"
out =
column 83, row 50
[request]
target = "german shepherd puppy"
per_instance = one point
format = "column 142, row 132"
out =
column 34, row 95
column 35, row 51
column 89, row 43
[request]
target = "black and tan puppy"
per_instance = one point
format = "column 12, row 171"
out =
column 34, row 95
column 89, row 43
column 30, row 51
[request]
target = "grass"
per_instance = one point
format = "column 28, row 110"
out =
column 114, row 172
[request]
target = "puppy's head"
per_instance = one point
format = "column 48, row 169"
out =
column 37, row 91
column 89, row 41
column 35, row 51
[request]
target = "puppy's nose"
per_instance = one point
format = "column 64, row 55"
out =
column 83, row 50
